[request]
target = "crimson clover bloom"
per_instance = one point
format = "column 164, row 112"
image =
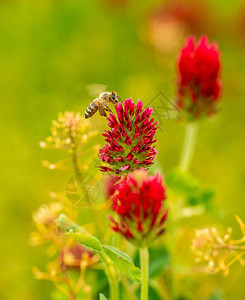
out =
column 139, row 203
column 198, row 82
column 130, row 140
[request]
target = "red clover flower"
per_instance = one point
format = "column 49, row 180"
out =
column 139, row 203
column 198, row 82
column 130, row 140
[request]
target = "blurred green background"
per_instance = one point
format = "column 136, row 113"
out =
column 51, row 50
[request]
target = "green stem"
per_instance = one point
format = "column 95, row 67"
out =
column 188, row 146
column 75, row 162
column 144, row 264
column 115, row 235
column 114, row 285
column 129, row 289
column 113, row 278
column 114, row 290
column 112, row 275
column 75, row 157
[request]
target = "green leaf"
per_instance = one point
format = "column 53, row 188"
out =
column 77, row 233
column 103, row 297
column 123, row 262
column 159, row 260
column 187, row 186
column 201, row 196
column 181, row 182
column 153, row 294
column 216, row 295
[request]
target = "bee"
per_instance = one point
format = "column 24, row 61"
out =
column 100, row 104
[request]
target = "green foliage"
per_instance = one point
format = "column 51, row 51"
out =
column 216, row 295
column 120, row 259
column 123, row 262
column 102, row 297
column 159, row 260
column 78, row 233
column 182, row 182
column 188, row 186
column 86, row 239
column 153, row 294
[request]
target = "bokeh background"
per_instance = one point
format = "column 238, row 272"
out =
column 51, row 50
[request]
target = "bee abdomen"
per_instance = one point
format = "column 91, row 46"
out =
column 91, row 110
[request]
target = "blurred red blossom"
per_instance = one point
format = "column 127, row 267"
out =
column 130, row 140
column 110, row 185
column 139, row 203
column 171, row 21
column 198, row 81
column 75, row 256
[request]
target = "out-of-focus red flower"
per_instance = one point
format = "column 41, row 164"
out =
column 198, row 81
column 171, row 21
column 73, row 257
column 110, row 185
column 139, row 203
column 130, row 140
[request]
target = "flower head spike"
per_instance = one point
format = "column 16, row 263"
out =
column 130, row 142
column 198, row 82
column 139, row 203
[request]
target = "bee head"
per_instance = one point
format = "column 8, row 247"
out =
column 114, row 97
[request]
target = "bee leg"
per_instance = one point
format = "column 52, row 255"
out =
column 108, row 109
column 102, row 111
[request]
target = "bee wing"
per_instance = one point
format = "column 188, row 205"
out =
column 95, row 89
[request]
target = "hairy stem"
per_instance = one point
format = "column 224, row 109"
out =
column 144, row 264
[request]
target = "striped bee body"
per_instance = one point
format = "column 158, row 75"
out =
column 100, row 104
column 92, row 108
